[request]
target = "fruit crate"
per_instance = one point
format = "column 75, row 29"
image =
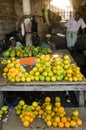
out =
column 14, row 122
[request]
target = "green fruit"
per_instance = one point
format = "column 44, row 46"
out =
column 22, row 102
column 28, row 108
column 75, row 112
column 59, row 77
column 74, row 118
column 42, row 78
column 6, row 54
column 1, row 112
column 18, row 112
column 4, row 108
column 47, row 79
column 57, row 99
column 48, row 107
column 0, row 116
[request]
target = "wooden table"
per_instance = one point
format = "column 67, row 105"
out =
column 45, row 86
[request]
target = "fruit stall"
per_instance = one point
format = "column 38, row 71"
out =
column 50, row 72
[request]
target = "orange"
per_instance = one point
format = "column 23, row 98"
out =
column 26, row 118
column 32, row 77
column 35, row 113
column 52, row 113
column 49, row 123
column 48, row 117
column 79, row 122
column 67, row 124
column 47, row 99
column 22, row 102
column 31, row 120
column 4, row 74
column 22, row 119
column 57, row 119
column 35, row 104
column 61, row 125
column 5, row 69
column 37, row 73
column 41, row 112
column 22, row 79
column 57, row 104
column 27, row 113
column 53, row 79
column 61, row 109
column 38, row 108
column 72, row 123
column 26, row 123
column 21, row 116
column 54, row 124
column 64, row 119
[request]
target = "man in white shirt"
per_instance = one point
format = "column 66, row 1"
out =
column 72, row 28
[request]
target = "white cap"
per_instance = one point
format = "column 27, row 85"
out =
column 48, row 35
column 11, row 38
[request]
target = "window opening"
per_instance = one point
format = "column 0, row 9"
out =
column 62, row 7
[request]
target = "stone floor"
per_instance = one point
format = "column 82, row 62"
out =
column 14, row 122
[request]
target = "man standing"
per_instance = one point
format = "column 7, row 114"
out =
column 72, row 28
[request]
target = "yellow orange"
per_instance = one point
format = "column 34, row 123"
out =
column 26, row 118
column 61, row 125
column 26, row 123
column 72, row 123
column 54, row 124
column 57, row 104
column 5, row 69
column 79, row 122
column 49, row 123
column 67, row 124
column 64, row 119
column 57, row 119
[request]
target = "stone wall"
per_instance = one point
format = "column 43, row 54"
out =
column 11, row 11
column 7, row 17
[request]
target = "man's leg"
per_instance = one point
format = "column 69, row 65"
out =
column 68, row 38
column 74, row 38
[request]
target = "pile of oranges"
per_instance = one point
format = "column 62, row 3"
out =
column 48, row 68
column 52, row 114
column 14, row 71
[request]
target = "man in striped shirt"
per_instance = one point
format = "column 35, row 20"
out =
column 72, row 28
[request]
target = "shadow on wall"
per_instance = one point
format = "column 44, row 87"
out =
column 60, row 42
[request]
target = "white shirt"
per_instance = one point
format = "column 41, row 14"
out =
column 73, row 25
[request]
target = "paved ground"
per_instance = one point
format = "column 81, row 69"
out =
column 14, row 122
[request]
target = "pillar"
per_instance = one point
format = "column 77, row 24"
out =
column 27, row 21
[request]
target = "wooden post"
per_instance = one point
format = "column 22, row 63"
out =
column 27, row 21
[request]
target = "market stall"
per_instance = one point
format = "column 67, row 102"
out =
column 79, row 87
